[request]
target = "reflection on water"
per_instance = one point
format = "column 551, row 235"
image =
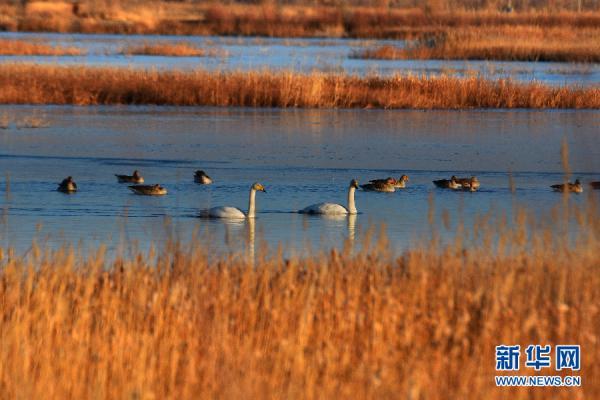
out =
column 302, row 156
column 305, row 55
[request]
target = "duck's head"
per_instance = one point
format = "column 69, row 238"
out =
column 453, row 178
column 259, row 187
column 474, row 179
column 577, row 182
column 390, row 180
column 354, row 183
column 404, row 178
column 200, row 173
column 136, row 174
column 69, row 179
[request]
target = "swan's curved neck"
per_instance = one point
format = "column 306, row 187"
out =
column 351, row 204
column 252, row 204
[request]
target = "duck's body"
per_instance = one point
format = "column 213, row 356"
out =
column 595, row 185
column 148, row 190
column 471, row 183
column 67, row 185
column 399, row 183
column 451, row 183
column 135, row 178
column 575, row 187
column 201, row 178
column 233, row 212
column 332, row 208
column 380, row 185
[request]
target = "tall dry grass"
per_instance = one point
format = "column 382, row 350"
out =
column 35, row 84
column 165, row 49
column 497, row 43
column 360, row 20
column 423, row 325
column 12, row 47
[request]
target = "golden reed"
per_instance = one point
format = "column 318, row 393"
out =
column 11, row 47
column 558, row 44
column 376, row 20
column 42, row 84
column 165, row 49
column 365, row 325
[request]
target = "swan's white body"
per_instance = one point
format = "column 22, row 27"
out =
column 332, row 208
column 225, row 212
column 235, row 213
column 325, row 209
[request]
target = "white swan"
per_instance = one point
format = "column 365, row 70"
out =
column 332, row 208
column 232, row 212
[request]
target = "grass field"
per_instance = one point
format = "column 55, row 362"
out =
column 39, row 84
column 366, row 324
column 165, row 49
column 559, row 44
column 369, row 20
column 10, row 47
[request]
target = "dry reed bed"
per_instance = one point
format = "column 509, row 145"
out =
column 497, row 43
column 160, row 17
column 11, row 47
column 338, row 325
column 165, row 49
column 34, row 84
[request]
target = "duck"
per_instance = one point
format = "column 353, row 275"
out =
column 135, row 178
column 380, row 185
column 236, row 213
column 595, row 185
column 471, row 183
column 67, row 185
column 332, row 208
column 401, row 182
column 201, row 178
column 451, row 183
column 149, row 190
column 575, row 187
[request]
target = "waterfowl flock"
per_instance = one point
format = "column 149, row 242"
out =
column 387, row 185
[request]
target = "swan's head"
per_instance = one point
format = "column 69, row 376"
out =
column 404, row 178
column 259, row 187
column 354, row 184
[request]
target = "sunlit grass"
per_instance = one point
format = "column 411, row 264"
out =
column 165, row 49
column 507, row 43
column 357, row 19
column 44, row 84
column 11, row 47
column 366, row 324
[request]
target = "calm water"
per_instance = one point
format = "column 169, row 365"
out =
column 301, row 156
column 298, row 55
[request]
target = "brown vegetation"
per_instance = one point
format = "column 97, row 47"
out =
column 165, row 49
column 35, row 84
column 499, row 43
column 285, row 20
column 11, row 47
column 423, row 325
